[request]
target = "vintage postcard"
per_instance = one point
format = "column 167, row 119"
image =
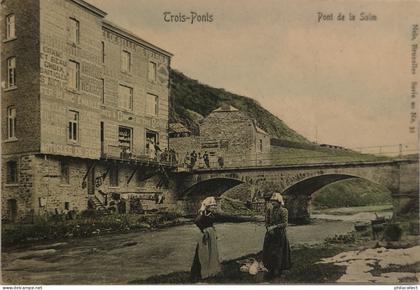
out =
column 212, row 142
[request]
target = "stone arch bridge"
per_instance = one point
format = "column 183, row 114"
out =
column 298, row 182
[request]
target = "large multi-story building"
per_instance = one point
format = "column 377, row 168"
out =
column 84, row 102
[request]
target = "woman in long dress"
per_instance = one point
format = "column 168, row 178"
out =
column 206, row 259
column 276, row 250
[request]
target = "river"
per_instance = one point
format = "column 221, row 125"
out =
column 121, row 258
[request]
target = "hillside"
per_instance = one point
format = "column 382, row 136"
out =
column 191, row 101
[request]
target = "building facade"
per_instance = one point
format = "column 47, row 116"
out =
column 84, row 102
column 228, row 133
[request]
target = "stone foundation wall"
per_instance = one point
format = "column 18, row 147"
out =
column 41, row 190
column 22, row 191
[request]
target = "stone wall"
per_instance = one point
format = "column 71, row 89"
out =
column 51, row 192
column 233, row 130
column 25, row 96
column 55, row 192
column 22, row 191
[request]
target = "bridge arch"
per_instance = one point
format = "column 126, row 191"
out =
column 211, row 187
column 299, row 194
column 193, row 195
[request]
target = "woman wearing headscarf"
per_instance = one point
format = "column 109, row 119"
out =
column 276, row 250
column 206, row 259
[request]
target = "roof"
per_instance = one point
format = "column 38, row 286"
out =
column 229, row 108
column 226, row 108
column 90, row 7
column 259, row 130
column 130, row 35
column 178, row 128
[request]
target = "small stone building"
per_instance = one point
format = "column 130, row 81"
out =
column 228, row 133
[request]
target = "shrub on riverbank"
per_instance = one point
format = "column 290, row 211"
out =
column 234, row 207
column 85, row 225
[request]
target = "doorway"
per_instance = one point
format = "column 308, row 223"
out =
column 152, row 139
column 91, row 181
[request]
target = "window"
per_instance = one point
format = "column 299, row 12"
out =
column 260, row 145
column 125, row 97
column 11, row 123
column 67, row 205
column 74, row 75
column 73, row 126
column 125, row 137
column 10, row 26
column 152, row 71
column 65, row 172
column 125, row 61
column 11, row 172
column 113, row 176
column 152, row 105
column 103, row 91
column 103, row 51
column 11, row 72
column 12, row 209
column 74, row 30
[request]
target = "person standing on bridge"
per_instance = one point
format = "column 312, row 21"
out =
column 206, row 259
column 276, row 249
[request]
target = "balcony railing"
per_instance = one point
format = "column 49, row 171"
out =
column 124, row 154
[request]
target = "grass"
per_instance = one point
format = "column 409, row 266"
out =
column 285, row 155
column 304, row 270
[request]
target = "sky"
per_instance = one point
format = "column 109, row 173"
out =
column 338, row 82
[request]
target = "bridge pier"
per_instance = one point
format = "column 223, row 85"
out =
column 406, row 198
column 298, row 207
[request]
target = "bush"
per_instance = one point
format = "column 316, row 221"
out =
column 89, row 213
column 341, row 239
